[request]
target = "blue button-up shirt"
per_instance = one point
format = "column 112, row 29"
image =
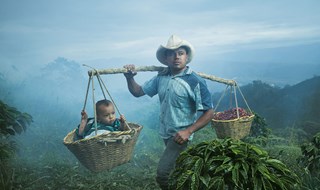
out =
column 181, row 96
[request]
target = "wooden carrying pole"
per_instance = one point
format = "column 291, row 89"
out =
column 159, row 69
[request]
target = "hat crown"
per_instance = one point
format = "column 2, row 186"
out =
column 174, row 41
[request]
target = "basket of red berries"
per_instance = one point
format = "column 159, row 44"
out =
column 233, row 123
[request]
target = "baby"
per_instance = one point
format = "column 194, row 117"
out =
column 106, row 121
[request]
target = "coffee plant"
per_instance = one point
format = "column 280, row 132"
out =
column 12, row 122
column 311, row 155
column 230, row 164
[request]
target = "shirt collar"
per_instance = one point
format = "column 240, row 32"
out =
column 187, row 71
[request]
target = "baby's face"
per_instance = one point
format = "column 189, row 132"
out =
column 106, row 114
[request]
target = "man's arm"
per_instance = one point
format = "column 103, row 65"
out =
column 183, row 135
column 134, row 88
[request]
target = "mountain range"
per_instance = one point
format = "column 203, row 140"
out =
column 289, row 106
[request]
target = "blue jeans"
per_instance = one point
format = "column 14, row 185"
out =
column 168, row 160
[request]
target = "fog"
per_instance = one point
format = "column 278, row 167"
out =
column 45, row 44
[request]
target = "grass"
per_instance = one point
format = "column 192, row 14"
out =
column 44, row 163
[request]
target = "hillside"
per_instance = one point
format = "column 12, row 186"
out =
column 282, row 107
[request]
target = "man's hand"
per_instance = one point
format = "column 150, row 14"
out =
column 131, row 71
column 182, row 136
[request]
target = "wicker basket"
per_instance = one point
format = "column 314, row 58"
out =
column 235, row 128
column 105, row 151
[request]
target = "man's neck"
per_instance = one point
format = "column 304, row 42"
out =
column 175, row 72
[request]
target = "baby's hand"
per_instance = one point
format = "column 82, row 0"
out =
column 122, row 118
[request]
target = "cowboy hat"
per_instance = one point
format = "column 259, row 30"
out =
column 173, row 43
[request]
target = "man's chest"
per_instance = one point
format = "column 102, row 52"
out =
column 174, row 91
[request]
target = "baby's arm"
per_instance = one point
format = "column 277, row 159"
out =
column 123, row 123
column 84, row 120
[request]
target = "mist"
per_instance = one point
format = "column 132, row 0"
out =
column 44, row 46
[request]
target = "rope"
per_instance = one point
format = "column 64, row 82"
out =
column 245, row 101
column 85, row 100
column 224, row 92
column 115, row 105
column 231, row 94
column 235, row 98
column 104, row 95
column 105, row 87
column 94, row 109
column 234, row 89
column 86, row 97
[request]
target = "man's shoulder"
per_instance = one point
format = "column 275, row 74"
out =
column 193, row 79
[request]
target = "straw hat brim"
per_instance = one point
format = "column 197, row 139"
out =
column 161, row 52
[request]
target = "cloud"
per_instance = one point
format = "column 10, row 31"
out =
column 255, row 35
column 38, row 33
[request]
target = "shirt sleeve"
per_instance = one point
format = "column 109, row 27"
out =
column 203, row 97
column 151, row 87
column 116, row 125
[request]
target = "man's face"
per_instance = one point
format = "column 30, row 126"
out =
column 106, row 114
column 176, row 59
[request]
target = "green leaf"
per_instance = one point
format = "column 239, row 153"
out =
column 217, row 183
column 198, row 166
column 266, row 184
column 194, row 182
column 264, row 171
column 244, row 171
column 205, row 180
column 223, row 168
column 259, row 151
column 278, row 165
column 9, row 131
column 235, row 174
column 182, row 180
column 18, row 128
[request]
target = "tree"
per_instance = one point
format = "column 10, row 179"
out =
column 12, row 122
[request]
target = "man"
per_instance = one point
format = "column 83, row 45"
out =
column 182, row 93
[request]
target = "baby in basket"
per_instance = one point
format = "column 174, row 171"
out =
column 106, row 121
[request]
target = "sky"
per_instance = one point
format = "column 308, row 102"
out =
column 227, row 35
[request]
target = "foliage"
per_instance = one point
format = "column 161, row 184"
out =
column 309, row 128
column 311, row 155
column 230, row 164
column 313, row 104
column 12, row 121
column 281, row 106
column 310, row 161
column 287, row 154
column 35, row 168
column 259, row 133
column 6, row 176
column 259, row 127
column 53, row 172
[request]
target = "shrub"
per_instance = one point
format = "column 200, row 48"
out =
column 230, row 164
column 311, row 155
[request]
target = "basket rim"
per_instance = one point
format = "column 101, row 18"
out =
column 250, row 117
column 117, row 133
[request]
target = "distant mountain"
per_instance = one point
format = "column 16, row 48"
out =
column 278, row 65
column 282, row 107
